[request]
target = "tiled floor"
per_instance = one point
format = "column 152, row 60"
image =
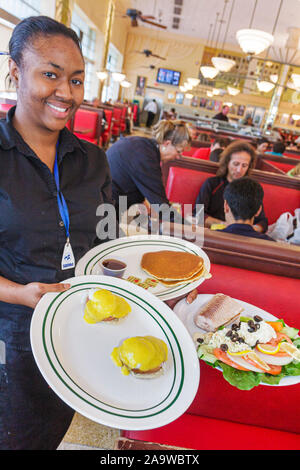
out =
column 86, row 434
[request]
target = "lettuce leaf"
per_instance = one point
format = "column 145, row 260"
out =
column 241, row 379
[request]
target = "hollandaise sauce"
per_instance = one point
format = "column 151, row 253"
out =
column 141, row 353
column 104, row 305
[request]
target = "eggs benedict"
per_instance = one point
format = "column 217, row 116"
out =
column 103, row 305
column 142, row 356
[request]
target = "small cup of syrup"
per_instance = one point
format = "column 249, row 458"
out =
column 113, row 267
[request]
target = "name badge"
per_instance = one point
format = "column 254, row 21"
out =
column 68, row 260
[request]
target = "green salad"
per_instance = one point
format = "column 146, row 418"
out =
column 245, row 366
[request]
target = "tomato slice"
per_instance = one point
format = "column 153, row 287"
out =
column 274, row 370
column 222, row 356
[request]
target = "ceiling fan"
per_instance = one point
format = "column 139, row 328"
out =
column 136, row 15
column 149, row 53
column 151, row 67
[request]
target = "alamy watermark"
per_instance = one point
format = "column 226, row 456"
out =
column 176, row 220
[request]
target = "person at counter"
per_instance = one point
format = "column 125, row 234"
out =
column 243, row 200
column 222, row 116
column 42, row 165
column 236, row 161
column 135, row 163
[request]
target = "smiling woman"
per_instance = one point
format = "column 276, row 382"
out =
column 51, row 184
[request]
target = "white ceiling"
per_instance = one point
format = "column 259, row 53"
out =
column 198, row 18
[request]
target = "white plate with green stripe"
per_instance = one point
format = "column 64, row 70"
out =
column 131, row 249
column 74, row 356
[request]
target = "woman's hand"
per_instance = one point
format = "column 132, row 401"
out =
column 30, row 294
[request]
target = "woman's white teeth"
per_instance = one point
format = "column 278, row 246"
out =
column 61, row 110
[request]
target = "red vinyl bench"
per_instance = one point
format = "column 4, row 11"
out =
column 86, row 126
column 183, row 186
column 202, row 152
column 106, row 134
column 221, row 416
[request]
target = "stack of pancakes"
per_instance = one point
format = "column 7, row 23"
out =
column 173, row 268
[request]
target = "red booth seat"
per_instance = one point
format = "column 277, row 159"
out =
column 123, row 119
column 116, row 127
column 222, row 416
column 190, row 152
column 200, row 433
column 202, row 152
column 292, row 155
column 86, row 125
column 282, row 165
column 5, row 106
column 183, row 186
column 278, row 199
column 108, row 127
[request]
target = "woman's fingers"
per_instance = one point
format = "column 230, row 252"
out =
column 192, row 296
column 54, row 287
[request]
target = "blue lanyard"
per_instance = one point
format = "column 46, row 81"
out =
column 62, row 206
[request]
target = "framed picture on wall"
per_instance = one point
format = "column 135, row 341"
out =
column 140, row 86
column 210, row 104
column 179, row 98
column 241, row 110
column 195, row 101
column 203, row 102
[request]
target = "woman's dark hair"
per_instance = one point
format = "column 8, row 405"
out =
column 244, row 197
column 33, row 26
column 235, row 147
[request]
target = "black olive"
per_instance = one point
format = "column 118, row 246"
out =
column 229, row 333
column 258, row 318
column 200, row 340
column 257, row 326
column 251, row 330
column 251, row 323
column 241, row 340
column 235, row 327
column 224, row 347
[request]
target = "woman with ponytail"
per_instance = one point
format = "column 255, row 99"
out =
column 135, row 163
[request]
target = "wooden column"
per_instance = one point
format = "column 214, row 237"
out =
column 107, row 38
column 63, row 11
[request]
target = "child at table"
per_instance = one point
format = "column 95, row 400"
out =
column 242, row 203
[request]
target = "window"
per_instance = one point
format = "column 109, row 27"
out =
column 114, row 64
column 87, row 35
column 21, row 8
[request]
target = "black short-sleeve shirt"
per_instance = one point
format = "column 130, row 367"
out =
column 32, row 235
column 211, row 194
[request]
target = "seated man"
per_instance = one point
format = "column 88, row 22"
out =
column 278, row 149
column 237, row 161
column 242, row 202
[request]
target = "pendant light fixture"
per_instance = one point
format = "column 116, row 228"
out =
column 265, row 86
column 296, row 79
column 222, row 63
column 118, row 77
column 254, row 41
column 193, row 81
column 233, row 91
column 208, row 71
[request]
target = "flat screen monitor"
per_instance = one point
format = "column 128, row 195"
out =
column 168, row 77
